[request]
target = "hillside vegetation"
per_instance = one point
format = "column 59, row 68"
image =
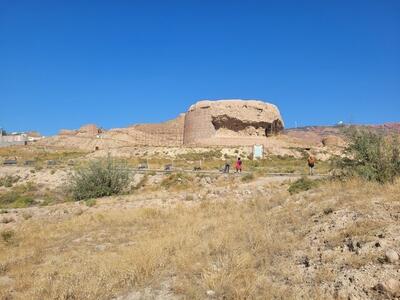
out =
column 204, row 236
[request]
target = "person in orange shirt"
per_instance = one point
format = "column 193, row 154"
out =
column 311, row 163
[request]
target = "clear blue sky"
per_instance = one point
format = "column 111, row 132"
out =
column 115, row 63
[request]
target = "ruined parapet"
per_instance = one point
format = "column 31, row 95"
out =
column 231, row 122
column 89, row 130
column 67, row 132
column 169, row 133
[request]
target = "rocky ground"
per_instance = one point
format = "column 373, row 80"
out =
column 204, row 237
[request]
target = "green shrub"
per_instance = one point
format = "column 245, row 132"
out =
column 19, row 197
column 372, row 156
column 15, row 200
column 195, row 156
column 301, row 185
column 99, row 178
column 23, row 201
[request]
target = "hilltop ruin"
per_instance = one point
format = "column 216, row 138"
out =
column 231, row 123
column 206, row 123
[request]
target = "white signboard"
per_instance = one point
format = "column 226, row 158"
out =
column 258, row 151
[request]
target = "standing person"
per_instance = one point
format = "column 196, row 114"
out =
column 311, row 163
column 227, row 166
column 238, row 165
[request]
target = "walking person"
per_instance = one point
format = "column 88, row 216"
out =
column 238, row 165
column 311, row 164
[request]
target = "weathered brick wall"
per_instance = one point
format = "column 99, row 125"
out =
column 198, row 126
column 169, row 133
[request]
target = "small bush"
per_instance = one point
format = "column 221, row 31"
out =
column 99, row 179
column 28, row 194
column 7, row 220
column 26, row 215
column 195, row 156
column 23, row 201
column 189, row 198
column 301, row 185
column 372, row 156
column 7, row 235
column 177, row 180
column 248, row 177
column 91, row 202
column 15, row 199
column 8, row 180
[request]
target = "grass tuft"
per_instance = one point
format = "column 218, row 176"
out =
column 301, row 185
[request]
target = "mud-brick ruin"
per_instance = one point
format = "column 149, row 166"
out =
column 213, row 123
column 231, row 123
column 206, row 123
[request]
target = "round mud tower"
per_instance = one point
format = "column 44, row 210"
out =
column 231, row 122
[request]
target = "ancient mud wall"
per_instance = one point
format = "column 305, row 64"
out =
column 207, row 123
column 169, row 133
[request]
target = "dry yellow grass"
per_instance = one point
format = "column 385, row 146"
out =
column 237, row 249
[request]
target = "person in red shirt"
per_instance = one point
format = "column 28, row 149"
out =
column 238, row 165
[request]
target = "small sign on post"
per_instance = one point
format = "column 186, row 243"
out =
column 258, row 151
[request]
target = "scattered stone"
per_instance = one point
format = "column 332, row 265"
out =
column 6, row 281
column 210, row 293
column 305, row 261
column 390, row 287
column 391, row 256
column 350, row 245
column 328, row 211
column 100, row 247
column 78, row 211
column 7, row 220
